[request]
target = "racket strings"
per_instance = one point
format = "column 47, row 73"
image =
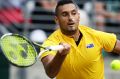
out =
column 18, row 50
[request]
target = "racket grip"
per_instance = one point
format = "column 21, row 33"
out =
column 57, row 47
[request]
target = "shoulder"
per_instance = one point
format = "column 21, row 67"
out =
column 54, row 36
column 86, row 28
column 56, row 33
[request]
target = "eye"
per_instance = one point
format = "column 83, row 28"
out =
column 64, row 14
column 74, row 12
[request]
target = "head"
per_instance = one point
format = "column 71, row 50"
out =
column 99, row 6
column 67, row 16
column 48, row 4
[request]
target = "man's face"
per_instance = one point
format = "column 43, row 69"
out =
column 68, row 18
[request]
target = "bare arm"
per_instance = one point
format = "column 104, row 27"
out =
column 117, row 47
column 52, row 64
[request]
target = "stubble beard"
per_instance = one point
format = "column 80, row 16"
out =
column 70, row 31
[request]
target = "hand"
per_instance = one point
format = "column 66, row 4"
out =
column 65, row 50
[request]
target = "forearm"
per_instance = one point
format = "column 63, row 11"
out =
column 53, row 67
column 52, row 64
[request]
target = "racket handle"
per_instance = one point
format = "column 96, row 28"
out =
column 57, row 47
column 50, row 48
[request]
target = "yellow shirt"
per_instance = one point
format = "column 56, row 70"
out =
column 84, row 61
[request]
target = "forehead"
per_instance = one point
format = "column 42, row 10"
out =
column 67, row 7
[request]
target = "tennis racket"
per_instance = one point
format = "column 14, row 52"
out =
column 20, row 51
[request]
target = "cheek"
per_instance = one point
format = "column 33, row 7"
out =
column 78, row 18
column 62, row 21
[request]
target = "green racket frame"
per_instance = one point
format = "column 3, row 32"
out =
column 11, row 47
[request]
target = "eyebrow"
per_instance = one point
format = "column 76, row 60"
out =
column 70, row 10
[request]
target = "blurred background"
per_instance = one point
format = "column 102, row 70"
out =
column 35, row 20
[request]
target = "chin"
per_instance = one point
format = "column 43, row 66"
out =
column 72, row 31
column 72, row 28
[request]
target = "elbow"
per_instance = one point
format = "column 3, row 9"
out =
column 51, row 74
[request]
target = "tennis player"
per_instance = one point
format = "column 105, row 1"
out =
column 81, row 57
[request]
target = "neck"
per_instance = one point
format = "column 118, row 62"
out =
column 73, row 34
column 76, row 35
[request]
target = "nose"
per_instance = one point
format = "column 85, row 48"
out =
column 70, row 18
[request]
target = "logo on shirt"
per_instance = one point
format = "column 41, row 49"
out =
column 90, row 45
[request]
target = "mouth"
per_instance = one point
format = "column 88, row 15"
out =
column 71, row 24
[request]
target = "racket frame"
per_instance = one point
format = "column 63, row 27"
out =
column 30, row 42
column 49, row 48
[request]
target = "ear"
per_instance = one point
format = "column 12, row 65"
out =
column 56, row 20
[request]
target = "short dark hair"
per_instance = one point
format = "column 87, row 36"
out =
column 63, row 2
